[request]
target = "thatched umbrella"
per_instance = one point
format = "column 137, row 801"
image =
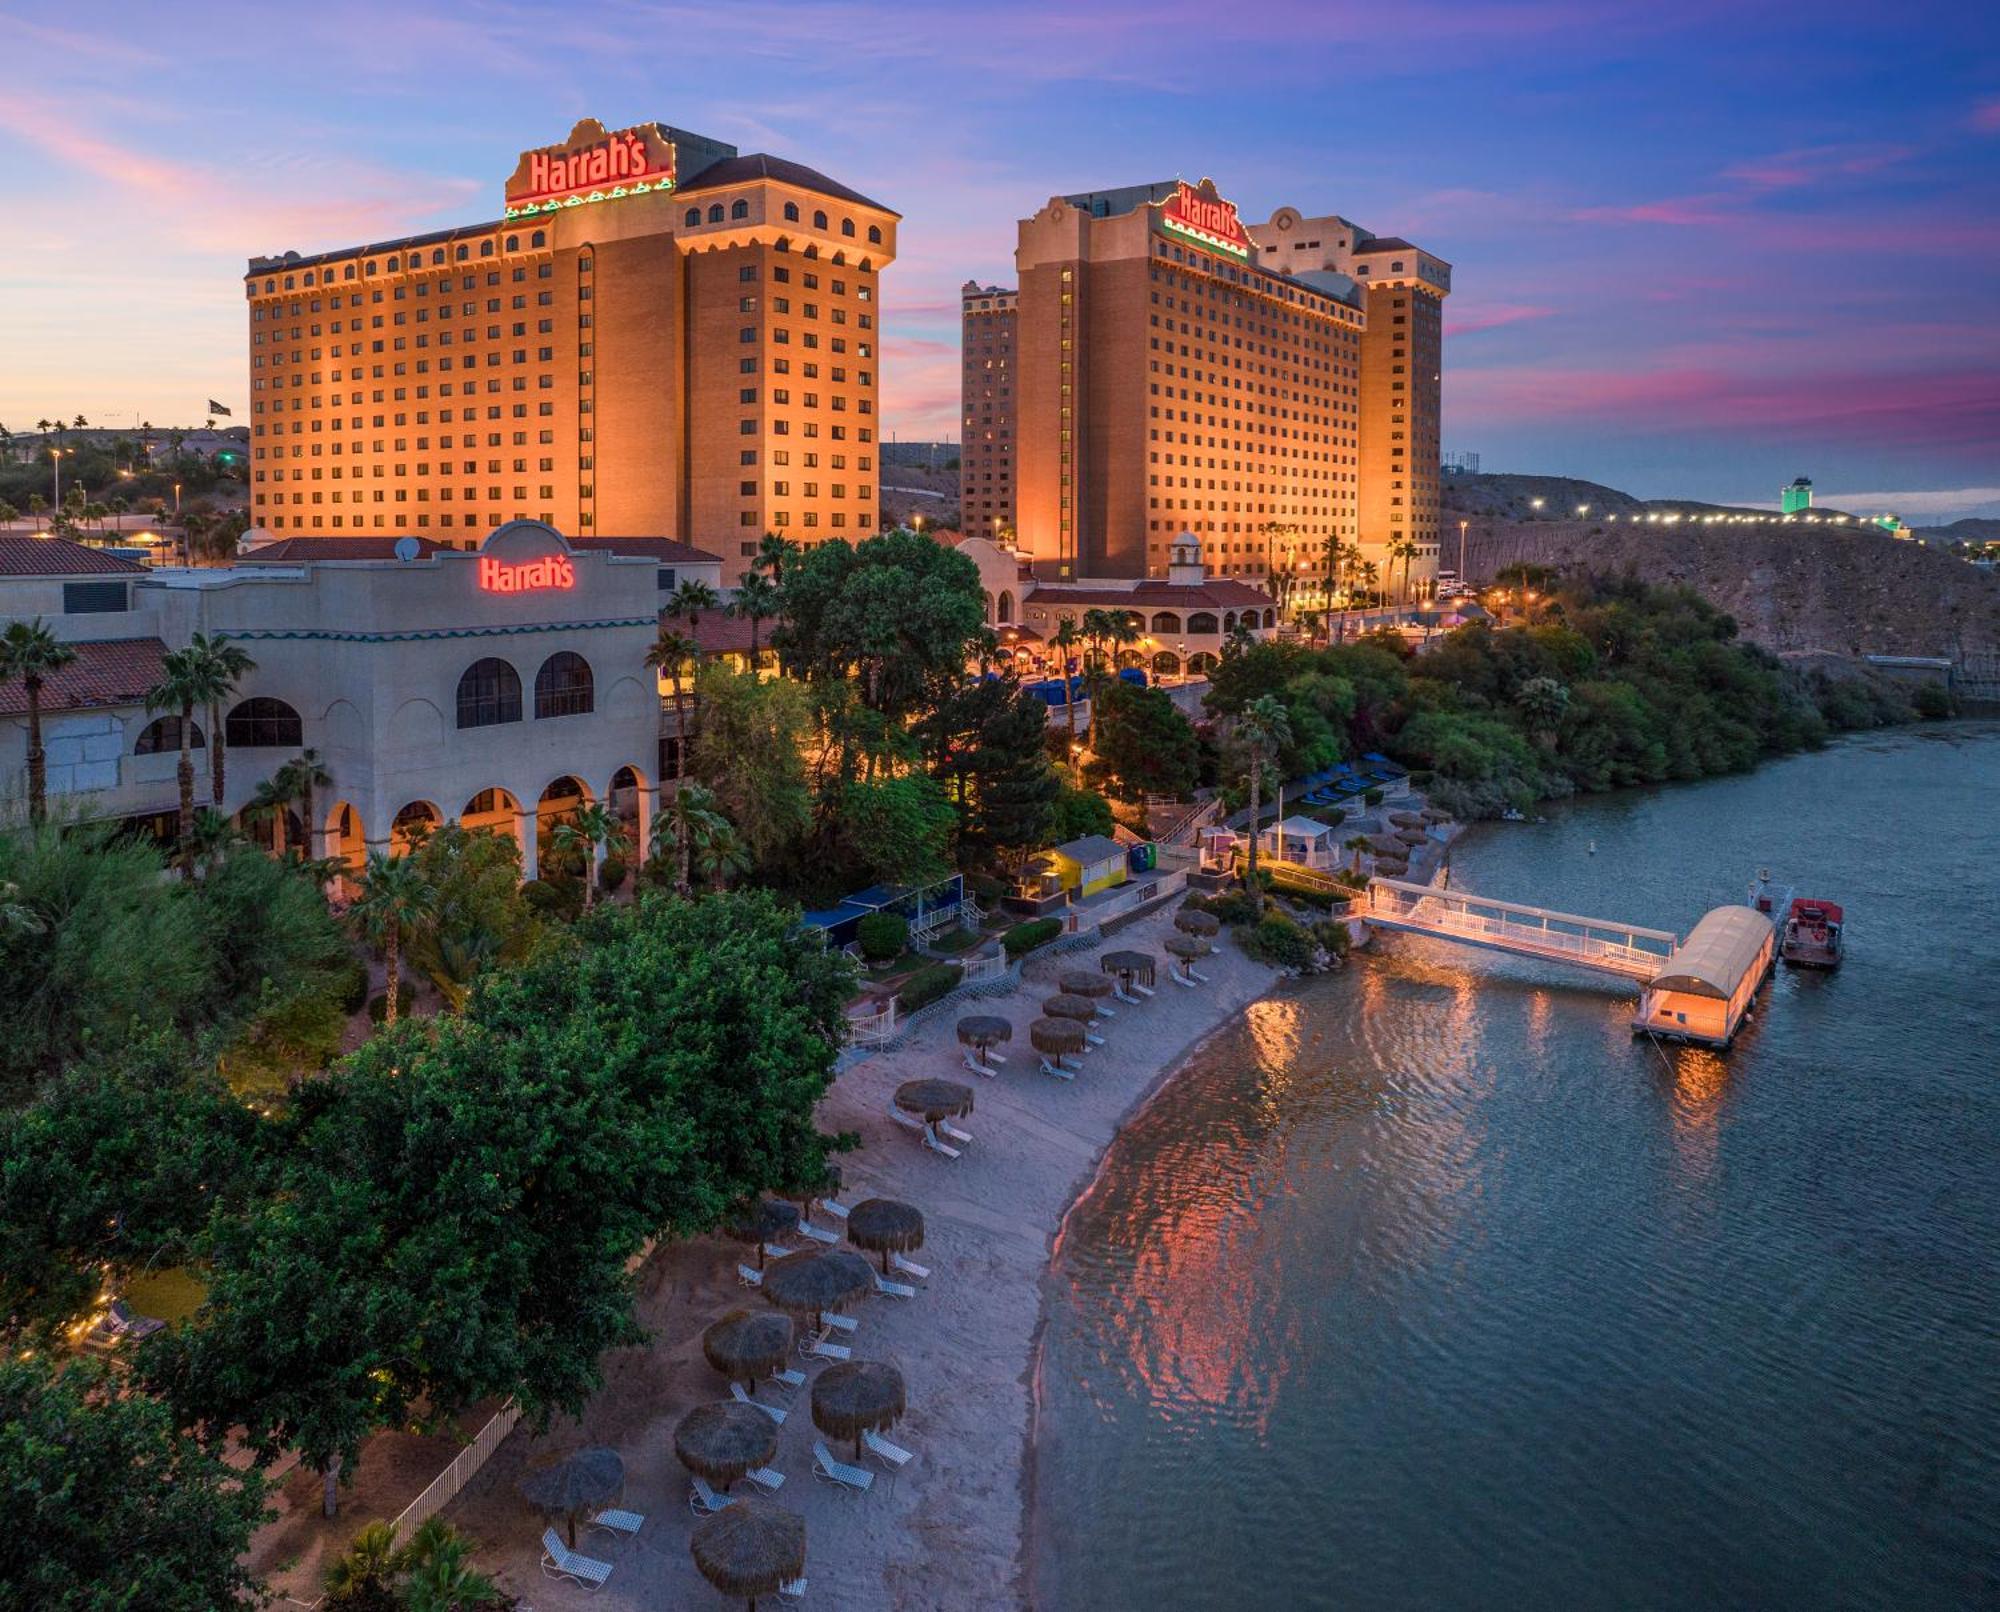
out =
column 752, row 1548
column 1433, row 814
column 856, row 1397
column 1412, row 836
column 1057, row 1038
column 760, row 1221
column 1129, row 966
column 816, row 1279
column 1407, row 819
column 934, row 1099
column 806, row 1197
column 1392, row 867
column 885, row 1226
column 721, row 1442
column 746, row 1344
column 979, row 1031
column 1385, row 845
column 1188, row 947
column 1190, row 922
column 1081, row 982
column 1064, row 1006
column 570, row 1485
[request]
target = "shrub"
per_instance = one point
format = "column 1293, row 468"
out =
column 1932, row 702
column 1372, row 797
column 554, row 898
column 987, row 889
column 1024, row 938
column 882, row 936
column 929, row 983
column 1237, row 906
column 406, row 997
column 612, row 874
column 354, row 988
column 1278, row 940
column 953, row 941
column 1333, row 935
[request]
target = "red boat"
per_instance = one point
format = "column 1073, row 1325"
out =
column 1812, row 934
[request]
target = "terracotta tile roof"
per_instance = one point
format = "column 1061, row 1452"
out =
column 760, row 165
column 1383, row 243
column 115, row 671
column 362, row 546
column 719, row 633
column 1222, row 593
column 664, row 549
column 25, row 556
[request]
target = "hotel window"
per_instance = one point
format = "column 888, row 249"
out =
column 262, row 723
column 489, row 693
column 739, row 209
column 564, row 686
column 819, row 220
column 791, row 212
column 715, row 213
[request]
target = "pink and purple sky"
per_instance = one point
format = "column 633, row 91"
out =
column 1700, row 249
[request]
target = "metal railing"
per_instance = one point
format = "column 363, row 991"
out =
column 465, row 1465
column 1616, row 948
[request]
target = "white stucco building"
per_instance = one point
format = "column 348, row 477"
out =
column 500, row 687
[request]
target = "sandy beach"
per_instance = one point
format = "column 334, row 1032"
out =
column 947, row 1532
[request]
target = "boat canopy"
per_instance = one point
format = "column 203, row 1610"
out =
column 1721, row 949
column 1820, row 911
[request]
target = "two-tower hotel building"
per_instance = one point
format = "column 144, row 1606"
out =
column 1163, row 367
column 660, row 337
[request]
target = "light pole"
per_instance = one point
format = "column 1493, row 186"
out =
column 55, row 458
column 1463, row 578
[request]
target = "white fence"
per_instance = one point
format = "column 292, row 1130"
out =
column 464, row 1467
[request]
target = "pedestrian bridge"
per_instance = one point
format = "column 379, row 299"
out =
column 1505, row 926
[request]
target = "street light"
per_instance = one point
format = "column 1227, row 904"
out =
column 1461, row 553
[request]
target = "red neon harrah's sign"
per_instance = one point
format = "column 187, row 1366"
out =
column 637, row 159
column 531, row 576
column 1208, row 215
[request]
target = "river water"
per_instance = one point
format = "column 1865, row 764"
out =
column 1428, row 1286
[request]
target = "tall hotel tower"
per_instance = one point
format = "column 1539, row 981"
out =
column 660, row 337
column 1162, row 367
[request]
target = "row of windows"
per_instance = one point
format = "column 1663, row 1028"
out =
column 740, row 209
column 258, row 723
column 459, row 254
column 489, row 692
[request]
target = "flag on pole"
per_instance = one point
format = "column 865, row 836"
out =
column 216, row 408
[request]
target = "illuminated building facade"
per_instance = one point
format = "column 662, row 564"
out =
column 1174, row 369
column 660, row 337
column 986, row 434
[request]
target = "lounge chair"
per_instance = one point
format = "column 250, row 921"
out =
column 793, row 1589
column 893, row 1456
column 954, row 1134
column 818, row 1234
column 909, row 1267
column 1118, row 990
column 840, row 1323
column 979, row 1068
column 618, row 1522
column 838, row 1210
column 766, row 1478
column 749, row 1275
column 1178, row 977
column 817, row 1347
column 909, row 1122
column 736, row 1392
column 893, row 1290
column 1090, row 1040
column 777, row 1250
column 1142, row 990
column 932, row 1142
column 704, row 1501
column 559, row 1561
column 1057, row 1070
column 828, row 1469
column 786, row 1378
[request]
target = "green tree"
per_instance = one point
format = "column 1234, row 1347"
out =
column 1262, row 731
column 1065, row 640
column 395, row 898
column 189, row 681
column 1542, row 702
column 774, row 553
column 31, row 654
column 671, row 655
column 1144, row 745
column 750, row 755
column 689, row 601
column 1080, row 812
column 757, row 601
column 591, row 831
column 688, row 829
column 223, row 666
column 896, row 830
column 988, row 749
column 482, row 920
column 110, row 1506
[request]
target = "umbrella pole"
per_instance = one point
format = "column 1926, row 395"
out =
column 885, row 1262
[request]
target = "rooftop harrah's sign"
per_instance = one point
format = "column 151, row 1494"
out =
column 1197, row 211
column 530, row 576
column 591, row 165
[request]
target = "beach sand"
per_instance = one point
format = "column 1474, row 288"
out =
column 947, row 1532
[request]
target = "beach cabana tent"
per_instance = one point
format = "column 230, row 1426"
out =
column 1302, row 840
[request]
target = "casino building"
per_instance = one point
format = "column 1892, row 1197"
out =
column 1161, row 368
column 659, row 337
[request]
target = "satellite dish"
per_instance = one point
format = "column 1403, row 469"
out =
column 408, row 548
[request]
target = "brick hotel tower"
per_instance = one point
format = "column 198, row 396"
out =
column 986, row 434
column 1166, row 376
column 660, row 338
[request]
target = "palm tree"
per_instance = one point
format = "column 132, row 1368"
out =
column 225, row 665
column 366, row 1572
column 671, row 653
column 33, row 654
column 1406, row 551
column 757, row 600
column 272, row 803
column 308, row 775
column 1263, row 729
column 1064, row 639
column 394, row 898
column 1369, row 574
column 589, row 828
column 773, row 553
column 690, row 822
column 688, row 601
column 1111, row 630
column 213, row 837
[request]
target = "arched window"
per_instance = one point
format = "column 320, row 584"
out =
column 163, row 737
column 791, row 212
column 437, row 254
column 1270, row 618
column 263, row 724
column 485, row 248
column 488, row 694
column 563, row 686
column 461, row 253
column 539, row 238
column 739, row 208
column 1229, row 621
column 874, row 234
column 715, row 212
column 513, row 243
column 819, row 221
column 1202, row 621
column 693, row 217
column 1006, row 606
column 1166, row 621
column 847, row 226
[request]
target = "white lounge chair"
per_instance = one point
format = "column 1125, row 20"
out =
column 893, row 1456
column 932, row 1142
column 838, row 1210
column 830, row 1470
column 1104, row 1012
column 978, row 1068
column 818, row 1234
column 737, row 1393
column 893, row 1290
column 793, row 1589
column 776, row 1250
column 909, row 1267
column 766, row 1478
column 749, row 1275
column 703, row 1501
column 1057, row 1070
column 817, row 1347
column 559, row 1561
column 953, row 1134
column 1178, row 977
column 840, row 1323
column 618, row 1522
column 784, row 1377
column 1124, row 996
column 1090, row 1040
column 1142, row 991
column 909, row 1122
